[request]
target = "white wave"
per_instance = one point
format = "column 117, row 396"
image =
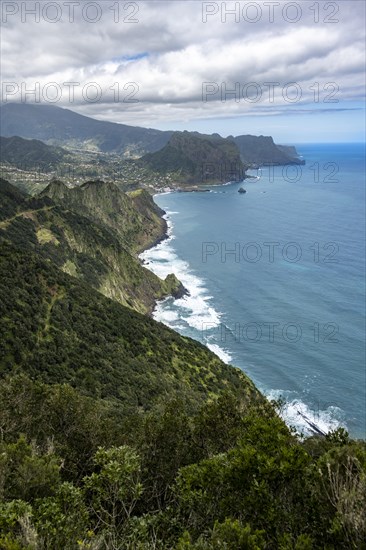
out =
column 294, row 411
column 224, row 355
column 163, row 193
column 195, row 308
column 169, row 316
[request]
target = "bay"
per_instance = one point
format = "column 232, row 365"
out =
column 276, row 280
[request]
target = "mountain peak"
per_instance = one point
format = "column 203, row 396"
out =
column 59, row 126
column 55, row 190
column 197, row 159
column 101, row 185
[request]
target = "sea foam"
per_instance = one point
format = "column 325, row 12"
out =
column 193, row 311
column 294, row 412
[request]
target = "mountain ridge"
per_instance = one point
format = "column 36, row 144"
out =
column 193, row 158
column 104, row 202
column 87, row 248
column 261, row 150
column 59, row 126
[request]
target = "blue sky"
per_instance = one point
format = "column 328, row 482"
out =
column 331, row 127
column 167, row 65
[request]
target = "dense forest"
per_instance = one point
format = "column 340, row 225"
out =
column 117, row 433
column 78, row 472
column 92, row 234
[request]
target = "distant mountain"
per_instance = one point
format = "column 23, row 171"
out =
column 28, row 154
column 57, row 126
column 291, row 151
column 261, row 150
column 86, row 245
column 63, row 127
column 193, row 158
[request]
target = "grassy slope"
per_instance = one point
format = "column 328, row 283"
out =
column 86, row 249
column 104, row 202
column 59, row 330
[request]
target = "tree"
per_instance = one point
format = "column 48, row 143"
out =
column 113, row 491
column 16, row 529
column 62, row 520
column 342, row 471
column 229, row 535
column 25, row 474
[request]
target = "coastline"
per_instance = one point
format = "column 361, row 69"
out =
column 196, row 307
column 299, row 409
column 179, row 316
column 164, row 236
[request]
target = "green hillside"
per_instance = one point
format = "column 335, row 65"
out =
column 195, row 158
column 58, row 330
column 117, row 433
column 63, row 127
column 104, row 203
column 261, row 150
column 28, row 154
column 89, row 250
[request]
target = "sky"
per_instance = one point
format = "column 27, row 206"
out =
column 293, row 70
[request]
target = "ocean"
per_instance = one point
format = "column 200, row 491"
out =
column 276, row 281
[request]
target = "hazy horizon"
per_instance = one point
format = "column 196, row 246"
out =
column 292, row 70
column 195, row 129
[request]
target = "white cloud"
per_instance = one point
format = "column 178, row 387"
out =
column 182, row 53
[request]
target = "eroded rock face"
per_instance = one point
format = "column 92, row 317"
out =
column 193, row 158
column 261, row 150
column 93, row 233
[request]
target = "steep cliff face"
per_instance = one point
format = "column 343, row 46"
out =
column 86, row 245
column 136, row 222
column 261, row 150
column 193, row 158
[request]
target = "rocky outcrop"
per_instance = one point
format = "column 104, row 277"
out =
column 261, row 150
column 193, row 158
column 76, row 230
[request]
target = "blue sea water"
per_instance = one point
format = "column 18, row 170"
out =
column 276, row 281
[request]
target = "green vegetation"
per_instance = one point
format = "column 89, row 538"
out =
column 128, row 156
column 59, row 330
column 31, row 153
column 77, row 472
column 118, row 433
column 261, row 150
column 193, row 158
column 81, row 237
column 135, row 220
column 62, row 127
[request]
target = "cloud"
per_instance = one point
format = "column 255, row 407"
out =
column 154, row 57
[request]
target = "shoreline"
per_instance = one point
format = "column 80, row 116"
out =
column 182, row 290
column 161, row 238
column 293, row 407
column 164, row 235
column 196, row 295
